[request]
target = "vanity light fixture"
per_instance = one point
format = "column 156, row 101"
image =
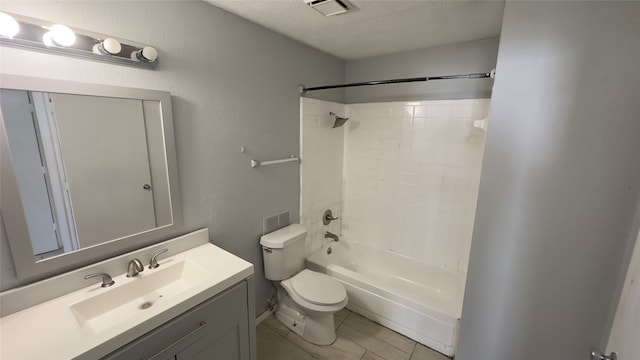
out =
column 40, row 35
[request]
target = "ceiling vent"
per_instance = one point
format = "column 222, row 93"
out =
column 328, row 7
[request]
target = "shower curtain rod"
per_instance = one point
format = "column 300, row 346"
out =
column 484, row 75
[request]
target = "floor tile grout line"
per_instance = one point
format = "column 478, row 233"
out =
column 394, row 331
column 376, row 354
column 415, row 346
column 343, row 320
column 371, row 351
column 299, row 347
column 284, row 337
column 273, row 330
column 382, row 340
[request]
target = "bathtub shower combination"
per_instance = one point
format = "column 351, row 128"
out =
column 419, row 300
column 403, row 178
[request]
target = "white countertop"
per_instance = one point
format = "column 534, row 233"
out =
column 50, row 330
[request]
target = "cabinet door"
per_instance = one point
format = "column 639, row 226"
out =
column 220, row 316
column 228, row 342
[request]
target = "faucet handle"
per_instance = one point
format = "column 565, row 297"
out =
column 106, row 279
column 327, row 217
column 154, row 259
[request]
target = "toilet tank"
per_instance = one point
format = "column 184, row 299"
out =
column 283, row 252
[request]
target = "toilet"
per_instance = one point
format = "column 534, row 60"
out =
column 307, row 299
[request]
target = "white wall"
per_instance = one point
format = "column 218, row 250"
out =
column 411, row 177
column 233, row 83
column 321, row 171
column 556, row 216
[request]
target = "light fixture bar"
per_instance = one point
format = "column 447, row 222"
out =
column 48, row 37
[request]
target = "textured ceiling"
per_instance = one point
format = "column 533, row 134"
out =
column 376, row 27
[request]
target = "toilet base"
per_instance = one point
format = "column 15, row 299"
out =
column 317, row 329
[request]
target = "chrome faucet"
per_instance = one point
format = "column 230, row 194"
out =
column 330, row 235
column 135, row 266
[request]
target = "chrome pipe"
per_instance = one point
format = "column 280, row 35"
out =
column 484, row 75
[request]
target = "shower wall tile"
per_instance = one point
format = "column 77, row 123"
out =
column 411, row 176
column 321, row 170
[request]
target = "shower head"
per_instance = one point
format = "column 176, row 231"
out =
column 338, row 121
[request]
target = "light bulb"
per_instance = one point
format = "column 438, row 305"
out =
column 146, row 54
column 62, row 35
column 8, row 25
column 46, row 39
column 109, row 46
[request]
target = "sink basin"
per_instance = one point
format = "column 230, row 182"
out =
column 141, row 293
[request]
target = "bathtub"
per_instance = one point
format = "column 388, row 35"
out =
column 419, row 300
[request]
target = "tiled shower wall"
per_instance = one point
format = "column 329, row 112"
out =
column 412, row 171
column 404, row 175
column 322, row 151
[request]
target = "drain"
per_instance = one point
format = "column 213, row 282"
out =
column 145, row 305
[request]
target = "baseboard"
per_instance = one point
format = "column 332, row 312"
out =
column 263, row 316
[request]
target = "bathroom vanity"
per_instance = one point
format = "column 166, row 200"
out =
column 217, row 328
column 197, row 304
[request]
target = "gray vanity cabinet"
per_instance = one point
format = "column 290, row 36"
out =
column 221, row 328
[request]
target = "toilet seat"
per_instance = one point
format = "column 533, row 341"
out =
column 318, row 288
column 314, row 306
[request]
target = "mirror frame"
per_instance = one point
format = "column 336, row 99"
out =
column 12, row 210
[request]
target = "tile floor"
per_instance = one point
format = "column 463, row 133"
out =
column 358, row 339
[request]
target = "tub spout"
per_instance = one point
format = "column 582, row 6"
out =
column 330, row 235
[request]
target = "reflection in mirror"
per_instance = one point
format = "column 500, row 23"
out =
column 90, row 169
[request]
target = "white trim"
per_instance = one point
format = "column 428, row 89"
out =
column 262, row 317
column 45, row 116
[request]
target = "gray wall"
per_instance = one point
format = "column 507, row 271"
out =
column 557, row 210
column 460, row 58
column 233, row 83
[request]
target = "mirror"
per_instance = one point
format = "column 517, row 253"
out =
column 72, row 152
column 93, row 166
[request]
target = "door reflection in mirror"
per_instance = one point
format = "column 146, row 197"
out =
column 90, row 169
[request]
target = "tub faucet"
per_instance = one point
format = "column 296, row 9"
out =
column 134, row 267
column 330, row 235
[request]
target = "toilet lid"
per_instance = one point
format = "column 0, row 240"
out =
column 318, row 288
